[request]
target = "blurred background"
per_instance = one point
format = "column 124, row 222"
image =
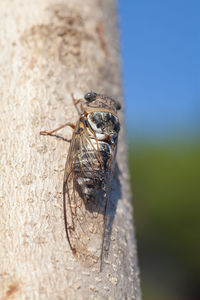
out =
column 160, row 46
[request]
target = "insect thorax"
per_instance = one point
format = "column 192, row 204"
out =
column 104, row 124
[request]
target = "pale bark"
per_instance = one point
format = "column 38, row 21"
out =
column 49, row 49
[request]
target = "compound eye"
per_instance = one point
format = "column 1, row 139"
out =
column 91, row 96
column 117, row 105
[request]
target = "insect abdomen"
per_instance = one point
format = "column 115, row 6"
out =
column 91, row 167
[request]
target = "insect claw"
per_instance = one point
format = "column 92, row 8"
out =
column 44, row 133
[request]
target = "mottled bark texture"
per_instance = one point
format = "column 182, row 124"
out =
column 48, row 50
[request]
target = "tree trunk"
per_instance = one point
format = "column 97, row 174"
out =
column 48, row 51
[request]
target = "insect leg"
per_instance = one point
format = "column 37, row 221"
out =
column 51, row 132
column 76, row 102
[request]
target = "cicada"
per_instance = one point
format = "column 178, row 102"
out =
column 88, row 175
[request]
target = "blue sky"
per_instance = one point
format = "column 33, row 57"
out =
column 160, row 46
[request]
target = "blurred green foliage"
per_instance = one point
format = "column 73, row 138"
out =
column 166, row 199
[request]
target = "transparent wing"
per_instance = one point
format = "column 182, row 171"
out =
column 85, row 212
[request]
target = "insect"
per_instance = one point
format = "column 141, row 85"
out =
column 88, row 175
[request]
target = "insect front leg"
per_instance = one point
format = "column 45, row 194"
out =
column 76, row 102
column 51, row 133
